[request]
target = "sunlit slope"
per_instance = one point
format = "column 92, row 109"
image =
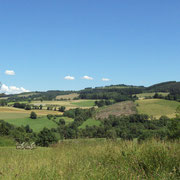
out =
column 157, row 107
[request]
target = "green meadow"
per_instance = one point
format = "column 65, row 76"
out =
column 93, row 160
column 157, row 107
column 90, row 122
column 35, row 124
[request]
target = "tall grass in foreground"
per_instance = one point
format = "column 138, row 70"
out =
column 93, row 159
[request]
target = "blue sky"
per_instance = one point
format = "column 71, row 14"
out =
column 131, row 42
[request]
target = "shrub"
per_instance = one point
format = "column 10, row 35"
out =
column 33, row 115
column 45, row 138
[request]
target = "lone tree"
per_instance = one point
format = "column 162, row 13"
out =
column 45, row 138
column 33, row 115
column 62, row 108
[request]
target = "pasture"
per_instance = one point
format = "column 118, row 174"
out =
column 90, row 122
column 93, row 159
column 35, row 124
column 157, row 107
column 6, row 141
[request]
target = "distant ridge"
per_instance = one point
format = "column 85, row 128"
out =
column 164, row 86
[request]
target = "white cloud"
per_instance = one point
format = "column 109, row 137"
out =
column 10, row 72
column 87, row 77
column 105, row 79
column 12, row 89
column 69, row 78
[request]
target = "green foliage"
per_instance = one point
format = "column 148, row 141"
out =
column 102, row 103
column 45, row 138
column 174, row 129
column 111, row 134
column 62, row 122
column 33, row 115
column 49, row 116
column 62, row 108
column 114, row 93
column 3, row 102
column 28, row 107
column 178, row 109
column 164, row 86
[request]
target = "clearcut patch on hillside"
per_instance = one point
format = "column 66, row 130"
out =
column 118, row 109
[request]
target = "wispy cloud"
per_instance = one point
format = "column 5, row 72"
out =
column 105, row 79
column 12, row 89
column 10, row 72
column 87, row 77
column 69, row 78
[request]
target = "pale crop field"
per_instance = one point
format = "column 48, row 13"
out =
column 69, row 104
column 11, row 112
column 69, row 96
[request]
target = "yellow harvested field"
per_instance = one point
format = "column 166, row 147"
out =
column 12, row 110
column 69, row 104
column 69, row 96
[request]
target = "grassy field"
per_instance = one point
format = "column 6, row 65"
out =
column 20, row 117
column 157, row 107
column 67, row 119
column 93, row 160
column 6, row 141
column 36, row 124
column 90, row 122
column 118, row 109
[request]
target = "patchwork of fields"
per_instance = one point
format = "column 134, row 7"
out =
column 20, row 117
column 153, row 107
